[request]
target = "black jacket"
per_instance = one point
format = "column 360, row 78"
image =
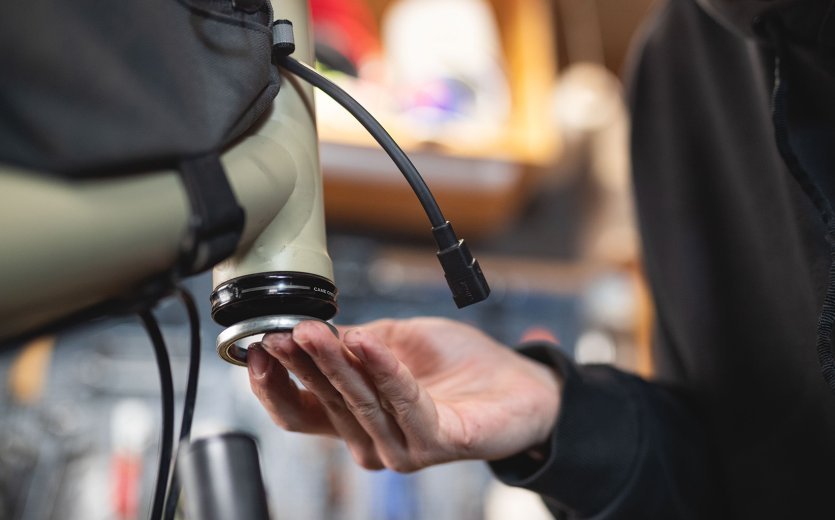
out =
column 739, row 422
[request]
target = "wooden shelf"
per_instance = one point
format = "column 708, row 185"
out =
column 480, row 178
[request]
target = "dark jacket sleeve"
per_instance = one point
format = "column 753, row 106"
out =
column 622, row 448
column 736, row 314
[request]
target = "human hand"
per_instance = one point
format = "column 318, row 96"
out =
column 406, row 394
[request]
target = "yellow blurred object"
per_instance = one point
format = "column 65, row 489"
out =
column 28, row 373
column 481, row 177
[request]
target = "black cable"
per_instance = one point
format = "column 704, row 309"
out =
column 167, row 393
column 189, row 401
column 461, row 270
column 427, row 200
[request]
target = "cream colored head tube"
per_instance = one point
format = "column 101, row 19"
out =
column 286, row 270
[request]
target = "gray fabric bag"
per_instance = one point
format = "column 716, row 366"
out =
column 97, row 86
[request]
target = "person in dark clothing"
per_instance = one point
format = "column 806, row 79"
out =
column 734, row 207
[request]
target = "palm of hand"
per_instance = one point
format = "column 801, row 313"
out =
column 406, row 394
column 479, row 387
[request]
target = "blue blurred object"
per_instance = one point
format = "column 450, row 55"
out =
column 394, row 496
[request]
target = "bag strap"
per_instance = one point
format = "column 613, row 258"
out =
column 217, row 220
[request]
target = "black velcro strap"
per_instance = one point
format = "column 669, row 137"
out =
column 216, row 221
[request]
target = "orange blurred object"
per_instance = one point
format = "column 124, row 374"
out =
column 539, row 334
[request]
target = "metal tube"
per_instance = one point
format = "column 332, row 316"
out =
column 221, row 479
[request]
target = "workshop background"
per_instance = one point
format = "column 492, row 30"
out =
column 513, row 111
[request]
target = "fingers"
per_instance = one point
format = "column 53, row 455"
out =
column 291, row 408
column 299, row 355
column 348, row 377
column 357, row 389
column 399, row 393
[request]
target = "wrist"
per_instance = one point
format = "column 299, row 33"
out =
column 551, row 369
column 551, row 392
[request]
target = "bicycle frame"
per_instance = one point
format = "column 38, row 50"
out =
column 69, row 245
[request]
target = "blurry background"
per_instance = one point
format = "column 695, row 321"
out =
column 513, row 112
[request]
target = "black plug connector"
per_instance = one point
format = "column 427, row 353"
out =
column 461, row 270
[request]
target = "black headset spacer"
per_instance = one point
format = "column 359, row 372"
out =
column 273, row 293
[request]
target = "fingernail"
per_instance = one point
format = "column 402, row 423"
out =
column 358, row 352
column 257, row 361
column 305, row 343
column 352, row 342
column 350, row 336
column 274, row 339
column 277, row 343
column 310, row 348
